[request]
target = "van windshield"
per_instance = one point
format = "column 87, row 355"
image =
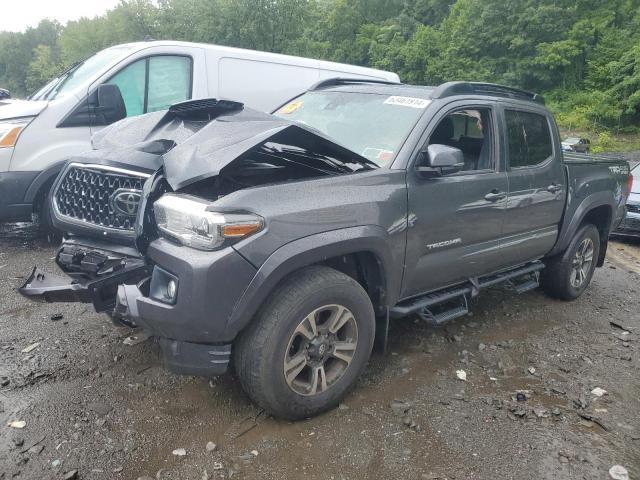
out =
column 373, row 125
column 79, row 73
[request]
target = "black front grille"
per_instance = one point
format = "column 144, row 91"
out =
column 101, row 197
column 633, row 208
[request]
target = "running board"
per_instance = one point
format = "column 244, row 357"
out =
column 462, row 293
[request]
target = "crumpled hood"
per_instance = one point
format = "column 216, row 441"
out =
column 201, row 148
column 12, row 108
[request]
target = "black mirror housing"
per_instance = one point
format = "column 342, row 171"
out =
column 103, row 106
column 110, row 104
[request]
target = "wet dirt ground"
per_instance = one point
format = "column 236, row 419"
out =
column 108, row 410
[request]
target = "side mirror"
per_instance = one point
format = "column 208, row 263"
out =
column 4, row 94
column 111, row 105
column 439, row 159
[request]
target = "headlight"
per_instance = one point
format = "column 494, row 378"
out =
column 188, row 221
column 10, row 130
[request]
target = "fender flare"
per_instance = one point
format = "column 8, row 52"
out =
column 41, row 180
column 308, row 251
column 569, row 229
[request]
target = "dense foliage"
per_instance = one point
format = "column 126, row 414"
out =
column 584, row 55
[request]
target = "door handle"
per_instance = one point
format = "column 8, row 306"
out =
column 554, row 187
column 495, row 195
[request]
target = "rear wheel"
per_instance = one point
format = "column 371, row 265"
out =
column 567, row 275
column 308, row 345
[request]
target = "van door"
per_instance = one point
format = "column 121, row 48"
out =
column 154, row 82
column 537, row 184
column 456, row 219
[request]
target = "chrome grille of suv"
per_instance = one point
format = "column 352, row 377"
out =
column 633, row 208
column 104, row 196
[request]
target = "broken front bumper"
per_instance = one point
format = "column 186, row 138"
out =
column 190, row 330
column 94, row 276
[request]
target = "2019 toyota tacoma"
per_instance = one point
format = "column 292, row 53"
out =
column 284, row 243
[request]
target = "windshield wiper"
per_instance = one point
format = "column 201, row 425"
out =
column 61, row 79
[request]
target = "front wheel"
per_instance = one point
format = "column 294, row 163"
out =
column 308, row 345
column 567, row 275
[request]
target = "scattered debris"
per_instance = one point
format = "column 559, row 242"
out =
column 598, row 392
column 30, row 348
column 218, row 466
column 71, row 475
column 17, row 424
column 541, row 412
column 481, row 347
column 531, row 370
column 4, row 381
column 56, row 463
column 592, row 419
column 400, row 407
column 57, row 316
column 211, row 447
column 179, row 452
column 33, row 446
column 521, row 397
column 618, row 472
column 137, row 338
column 254, row 453
column 462, row 375
column 619, row 326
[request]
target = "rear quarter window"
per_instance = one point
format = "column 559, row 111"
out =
column 528, row 137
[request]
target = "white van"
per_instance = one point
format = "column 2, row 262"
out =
column 39, row 134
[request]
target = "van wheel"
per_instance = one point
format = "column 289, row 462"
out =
column 308, row 345
column 567, row 275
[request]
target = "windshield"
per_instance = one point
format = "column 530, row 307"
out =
column 373, row 125
column 79, row 73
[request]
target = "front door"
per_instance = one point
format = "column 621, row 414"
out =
column 456, row 219
column 537, row 185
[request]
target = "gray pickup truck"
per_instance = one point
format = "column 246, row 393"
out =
column 284, row 243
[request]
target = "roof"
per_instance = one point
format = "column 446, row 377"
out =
column 449, row 89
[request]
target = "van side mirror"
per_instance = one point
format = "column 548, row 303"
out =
column 439, row 159
column 103, row 106
column 110, row 105
column 4, row 94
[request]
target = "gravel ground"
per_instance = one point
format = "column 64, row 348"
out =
column 94, row 404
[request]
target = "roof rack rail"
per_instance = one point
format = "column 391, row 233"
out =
column 330, row 82
column 450, row 89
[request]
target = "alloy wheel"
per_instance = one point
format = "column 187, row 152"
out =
column 320, row 350
column 581, row 263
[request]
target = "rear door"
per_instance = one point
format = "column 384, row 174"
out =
column 537, row 183
column 456, row 219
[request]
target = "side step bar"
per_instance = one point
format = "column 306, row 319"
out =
column 459, row 295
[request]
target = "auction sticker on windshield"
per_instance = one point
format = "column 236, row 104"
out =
column 407, row 101
column 291, row 107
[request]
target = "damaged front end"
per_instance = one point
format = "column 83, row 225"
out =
column 93, row 275
column 202, row 149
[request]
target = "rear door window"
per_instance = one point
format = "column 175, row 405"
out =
column 528, row 137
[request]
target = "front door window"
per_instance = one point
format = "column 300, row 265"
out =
column 154, row 83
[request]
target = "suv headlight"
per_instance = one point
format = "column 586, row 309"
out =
column 187, row 221
column 10, row 130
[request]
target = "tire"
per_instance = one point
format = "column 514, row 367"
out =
column 561, row 278
column 276, row 337
column 45, row 218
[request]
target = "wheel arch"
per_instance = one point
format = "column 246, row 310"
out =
column 359, row 252
column 597, row 209
column 40, row 185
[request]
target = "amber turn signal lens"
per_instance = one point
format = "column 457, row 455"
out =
column 240, row 230
column 9, row 140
